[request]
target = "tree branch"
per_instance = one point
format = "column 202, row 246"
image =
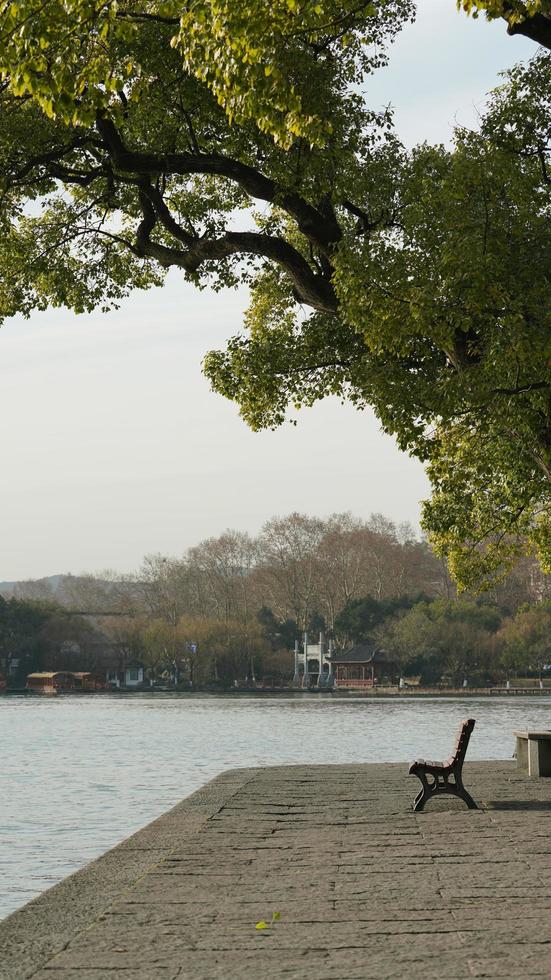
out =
column 537, row 28
column 322, row 230
column 310, row 288
column 163, row 214
column 82, row 178
column 49, row 157
column 156, row 18
column 535, row 386
column 543, row 165
column 365, row 222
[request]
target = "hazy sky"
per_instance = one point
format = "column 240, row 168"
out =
column 112, row 443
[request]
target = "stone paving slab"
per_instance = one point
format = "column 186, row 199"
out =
column 364, row 887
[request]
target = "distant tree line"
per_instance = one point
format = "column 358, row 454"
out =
column 231, row 608
column 462, row 640
column 36, row 634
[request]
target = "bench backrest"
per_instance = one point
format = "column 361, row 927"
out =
column 462, row 741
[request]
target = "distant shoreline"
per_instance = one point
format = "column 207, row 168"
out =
column 388, row 693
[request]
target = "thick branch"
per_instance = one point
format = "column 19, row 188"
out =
column 310, row 288
column 322, row 230
column 82, row 178
column 537, row 28
column 163, row 214
column 146, row 225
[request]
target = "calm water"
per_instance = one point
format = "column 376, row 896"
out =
column 78, row 774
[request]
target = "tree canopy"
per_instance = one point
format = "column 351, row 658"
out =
column 527, row 638
column 449, row 641
column 234, row 141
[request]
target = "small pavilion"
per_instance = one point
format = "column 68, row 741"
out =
column 364, row 666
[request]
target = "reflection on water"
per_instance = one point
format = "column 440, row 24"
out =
column 78, row 774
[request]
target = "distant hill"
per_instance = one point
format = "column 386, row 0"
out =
column 77, row 592
column 50, row 584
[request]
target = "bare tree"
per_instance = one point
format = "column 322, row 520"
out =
column 225, row 565
column 289, row 566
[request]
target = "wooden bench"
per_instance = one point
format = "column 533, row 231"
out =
column 534, row 752
column 439, row 778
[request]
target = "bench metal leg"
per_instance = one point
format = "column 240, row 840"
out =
column 441, row 786
column 422, row 796
column 466, row 796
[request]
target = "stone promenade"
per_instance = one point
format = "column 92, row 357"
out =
column 364, row 887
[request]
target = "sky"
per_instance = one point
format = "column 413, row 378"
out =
column 113, row 445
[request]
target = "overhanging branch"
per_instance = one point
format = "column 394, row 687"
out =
column 310, row 288
column 537, row 28
column 322, row 229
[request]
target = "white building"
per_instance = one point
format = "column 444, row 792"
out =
column 130, row 676
column 308, row 657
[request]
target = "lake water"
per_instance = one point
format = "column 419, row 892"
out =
column 78, row 774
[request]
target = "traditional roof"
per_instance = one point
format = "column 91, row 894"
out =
column 364, row 653
column 47, row 674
